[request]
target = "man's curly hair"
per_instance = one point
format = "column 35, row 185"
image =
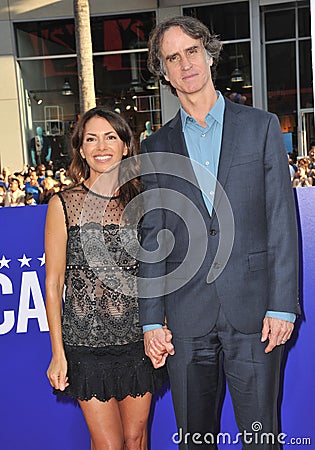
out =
column 193, row 28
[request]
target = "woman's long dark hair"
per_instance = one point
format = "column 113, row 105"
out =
column 79, row 169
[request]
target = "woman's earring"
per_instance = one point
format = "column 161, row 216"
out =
column 82, row 155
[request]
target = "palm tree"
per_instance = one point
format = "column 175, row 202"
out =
column 81, row 10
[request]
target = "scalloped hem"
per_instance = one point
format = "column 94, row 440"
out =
column 102, row 399
column 111, row 372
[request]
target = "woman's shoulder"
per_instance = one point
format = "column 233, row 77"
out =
column 65, row 195
column 72, row 191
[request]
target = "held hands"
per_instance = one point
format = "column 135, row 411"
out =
column 277, row 331
column 158, row 345
column 57, row 373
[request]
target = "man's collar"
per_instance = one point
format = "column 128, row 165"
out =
column 215, row 113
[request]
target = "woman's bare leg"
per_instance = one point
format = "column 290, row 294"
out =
column 104, row 423
column 134, row 414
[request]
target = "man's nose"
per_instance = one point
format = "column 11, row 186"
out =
column 185, row 63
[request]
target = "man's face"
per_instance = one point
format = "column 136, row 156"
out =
column 14, row 185
column 186, row 62
column 312, row 154
column 33, row 176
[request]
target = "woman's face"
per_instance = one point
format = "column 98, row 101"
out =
column 102, row 148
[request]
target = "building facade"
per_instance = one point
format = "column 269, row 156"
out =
column 266, row 63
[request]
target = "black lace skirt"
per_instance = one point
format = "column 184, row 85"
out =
column 113, row 371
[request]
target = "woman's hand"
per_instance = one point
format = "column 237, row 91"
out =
column 57, row 373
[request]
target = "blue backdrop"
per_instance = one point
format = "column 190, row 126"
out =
column 31, row 418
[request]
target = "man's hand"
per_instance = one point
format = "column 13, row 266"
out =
column 277, row 331
column 158, row 345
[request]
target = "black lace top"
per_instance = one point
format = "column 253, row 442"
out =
column 100, row 285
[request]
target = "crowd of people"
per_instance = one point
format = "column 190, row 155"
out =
column 33, row 185
column 302, row 170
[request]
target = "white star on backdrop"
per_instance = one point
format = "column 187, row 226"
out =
column 42, row 260
column 4, row 262
column 24, row 261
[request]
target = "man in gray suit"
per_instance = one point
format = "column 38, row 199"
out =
column 237, row 310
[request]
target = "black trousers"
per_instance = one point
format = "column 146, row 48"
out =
column 197, row 371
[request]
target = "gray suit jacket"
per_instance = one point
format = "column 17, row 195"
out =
column 261, row 272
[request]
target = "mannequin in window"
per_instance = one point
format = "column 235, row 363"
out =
column 40, row 148
column 147, row 132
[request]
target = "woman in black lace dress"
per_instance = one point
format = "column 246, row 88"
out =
column 91, row 260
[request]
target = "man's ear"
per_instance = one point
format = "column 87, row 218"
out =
column 125, row 152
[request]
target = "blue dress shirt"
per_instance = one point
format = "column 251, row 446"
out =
column 204, row 147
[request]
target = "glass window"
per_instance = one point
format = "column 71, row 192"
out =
column 280, row 25
column 124, row 83
column 53, row 37
column 122, row 80
column 234, row 73
column 57, row 37
column 121, row 32
column 304, row 22
column 120, row 72
column 281, row 77
column 306, row 77
column 290, row 22
column 45, row 80
column 51, row 96
column 229, row 21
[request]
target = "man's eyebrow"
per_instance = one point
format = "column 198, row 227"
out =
column 193, row 47
column 171, row 55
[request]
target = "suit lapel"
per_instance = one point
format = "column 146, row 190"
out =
column 228, row 148
column 176, row 137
